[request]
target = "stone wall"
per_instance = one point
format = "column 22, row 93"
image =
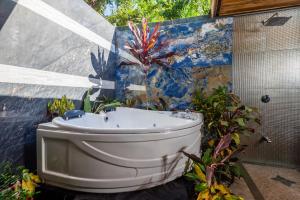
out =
column 48, row 49
column 203, row 58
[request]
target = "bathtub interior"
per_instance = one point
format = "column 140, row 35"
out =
column 131, row 119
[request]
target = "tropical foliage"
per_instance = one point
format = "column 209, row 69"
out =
column 226, row 119
column 99, row 104
column 147, row 49
column 59, row 106
column 99, row 5
column 145, row 46
column 17, row 183
column 154, row 10
column 204, row 172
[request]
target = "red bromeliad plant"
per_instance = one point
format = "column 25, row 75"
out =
column 145, row 46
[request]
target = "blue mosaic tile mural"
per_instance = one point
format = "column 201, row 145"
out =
column 203, row 60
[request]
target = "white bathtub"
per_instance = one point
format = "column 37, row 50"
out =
column 134, row 149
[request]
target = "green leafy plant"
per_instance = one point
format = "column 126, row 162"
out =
column 17, row 183
column 99, row 104
column 99, row 5
column 59, row 106
column 204, row 169
column 224, row 113
column 158, row 10
column 226, row 119
column 130, row 102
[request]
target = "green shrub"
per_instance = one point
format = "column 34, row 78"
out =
column 59, row 106
column 225, row 120
column 99, row 104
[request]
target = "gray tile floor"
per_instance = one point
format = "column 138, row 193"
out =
column 273, row 182
column 239, row 187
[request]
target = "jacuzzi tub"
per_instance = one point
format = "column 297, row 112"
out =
column 134, row 149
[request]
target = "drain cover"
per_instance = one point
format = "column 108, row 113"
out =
column 283, row 180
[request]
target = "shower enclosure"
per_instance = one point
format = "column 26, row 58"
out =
column 266, row 74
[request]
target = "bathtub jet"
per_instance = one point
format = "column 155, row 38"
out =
column 135, row 149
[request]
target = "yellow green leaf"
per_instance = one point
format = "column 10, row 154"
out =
column 210, row 124
column 204, row 195
column 216, row 197
column 35, row 178
column 229, row 151
column 241, row 122
column 199, row 173
column 236, row 138
column 222, row 188
column 28, row 186
column 211, row 142
column 232, row 197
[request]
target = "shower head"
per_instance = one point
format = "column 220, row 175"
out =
column 275, row 20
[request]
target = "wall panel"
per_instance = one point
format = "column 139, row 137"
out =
column 266, row 61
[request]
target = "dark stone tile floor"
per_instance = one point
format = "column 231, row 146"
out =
column 179, row 189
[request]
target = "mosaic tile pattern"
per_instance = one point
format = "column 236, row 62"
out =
column 203, row 59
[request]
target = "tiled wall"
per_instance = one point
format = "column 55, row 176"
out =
column 204, row 57
column 267, row 62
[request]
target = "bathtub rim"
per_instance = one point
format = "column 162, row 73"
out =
column 116, row 137
column 70, row 127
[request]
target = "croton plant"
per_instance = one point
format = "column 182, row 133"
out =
column 146, row 47
column 17, row 183
column 226, row 119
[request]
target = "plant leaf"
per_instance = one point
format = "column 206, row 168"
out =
column 210, row 170
column 204, row 195
column 222, row 188
column 192, row 157
column 236, row 138
column 223, row 144
column 224, row 123
column 191, row 176
column 199, row 173
column 87, row 106
column 237, row 171
column 206, row 158
column 240, row 121
column 211, row 142
column 200, row 187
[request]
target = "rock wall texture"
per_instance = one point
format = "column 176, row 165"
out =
column 48, row 49
column 203, row 60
